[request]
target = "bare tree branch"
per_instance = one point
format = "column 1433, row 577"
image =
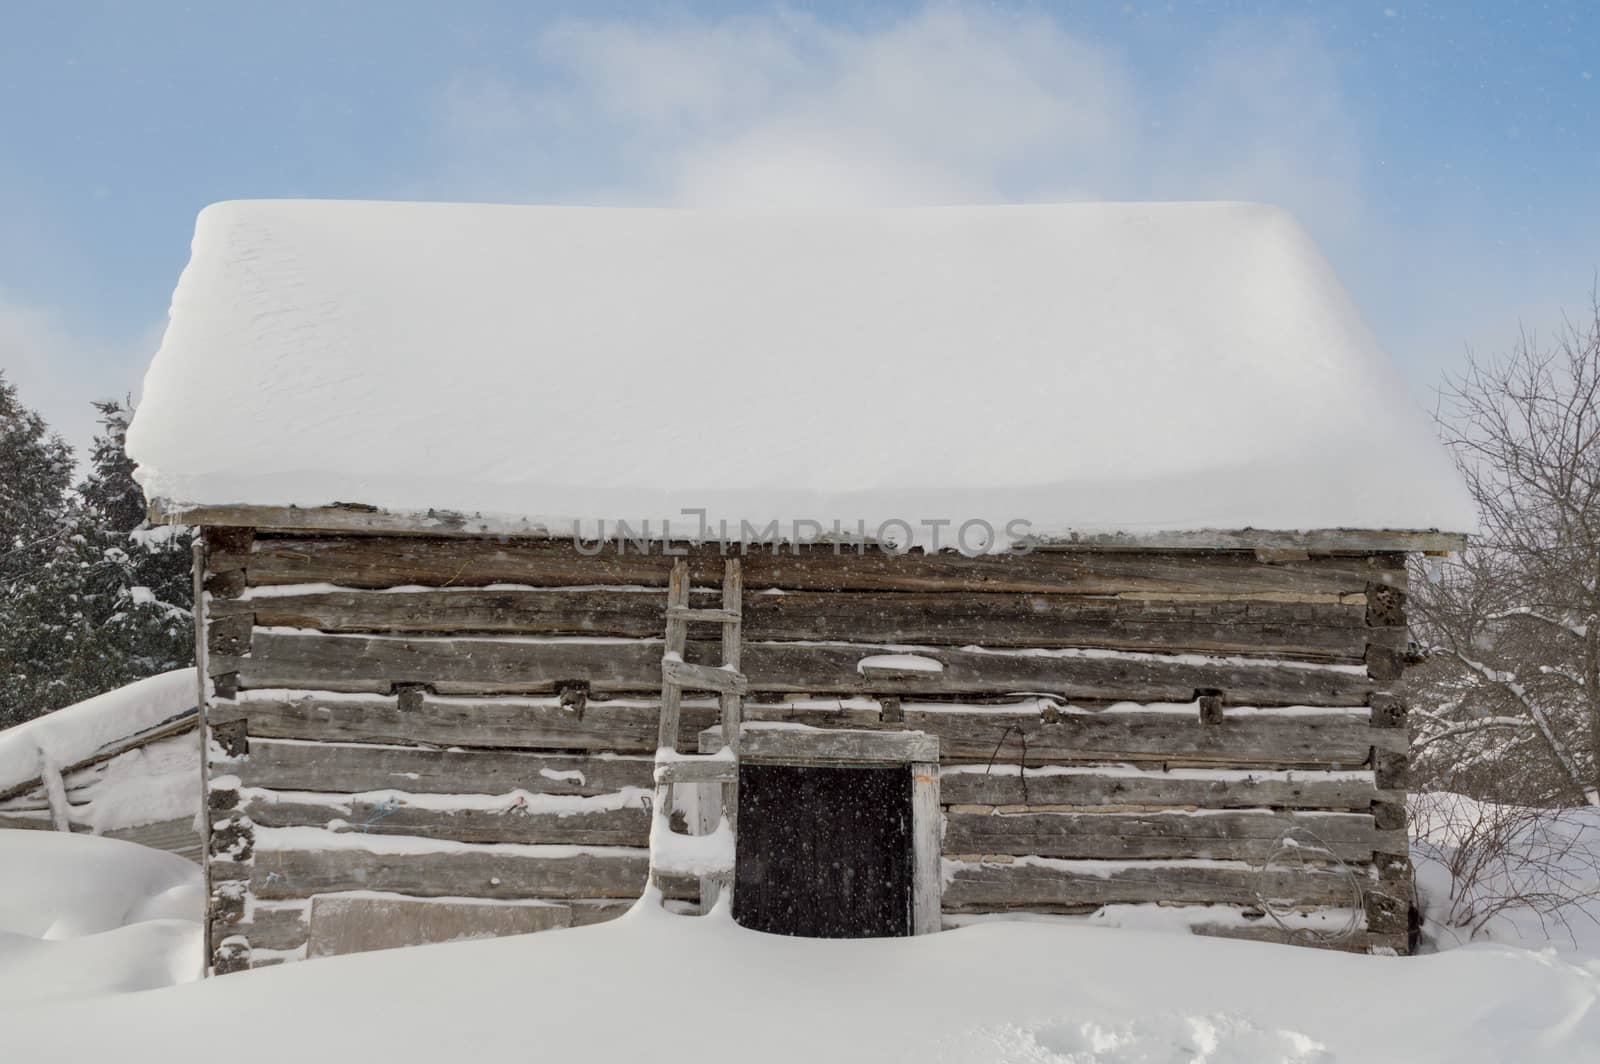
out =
column 1515, row 619
column 1509, row 683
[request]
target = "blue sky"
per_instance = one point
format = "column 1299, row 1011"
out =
column 1446, row 155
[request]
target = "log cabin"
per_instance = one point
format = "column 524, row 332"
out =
column 869, row 572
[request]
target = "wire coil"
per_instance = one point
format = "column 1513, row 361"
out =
column 1301, row 850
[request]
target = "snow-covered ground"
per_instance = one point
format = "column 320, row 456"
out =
column 84, row 917
column 81, row 915
column 664, row 988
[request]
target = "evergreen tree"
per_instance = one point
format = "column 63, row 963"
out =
column 153, row 623
column 110, row 491
column 36, row 518
column 130, row 582
column 103, row 598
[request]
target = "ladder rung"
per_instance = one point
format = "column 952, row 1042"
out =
column 703, row 677
column 698, row 770
column 695, row 866
column 712, row 616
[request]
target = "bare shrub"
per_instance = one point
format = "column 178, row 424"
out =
column 1513, row 624
column 1503, row 871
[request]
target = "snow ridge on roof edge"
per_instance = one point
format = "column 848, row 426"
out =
column 373, row 520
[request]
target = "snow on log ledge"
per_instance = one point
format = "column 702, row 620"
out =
column 1085, row 368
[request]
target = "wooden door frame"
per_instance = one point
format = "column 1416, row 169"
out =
column 775, row 743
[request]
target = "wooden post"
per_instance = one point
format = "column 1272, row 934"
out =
column 671, row 693
column 198, row 587
column 712, row 808
column 927, row 824
column 732, row 701
column 55, row 790
column 671, row 699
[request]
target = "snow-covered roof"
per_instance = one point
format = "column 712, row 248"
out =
column 1085, row 368
column 75, row 733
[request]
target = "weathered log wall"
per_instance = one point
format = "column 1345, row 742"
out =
column 448, row 718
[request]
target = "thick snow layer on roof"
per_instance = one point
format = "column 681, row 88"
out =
column 1091, row 367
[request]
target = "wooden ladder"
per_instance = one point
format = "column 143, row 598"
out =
column 712, row 859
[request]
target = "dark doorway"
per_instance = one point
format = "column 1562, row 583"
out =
column 824, row 852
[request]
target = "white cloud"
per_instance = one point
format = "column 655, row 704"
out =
column 1263, row 117
column 948, row 104
column 959, row 103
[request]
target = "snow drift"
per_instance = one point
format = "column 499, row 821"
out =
column 640, row 989
column 84, row 915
